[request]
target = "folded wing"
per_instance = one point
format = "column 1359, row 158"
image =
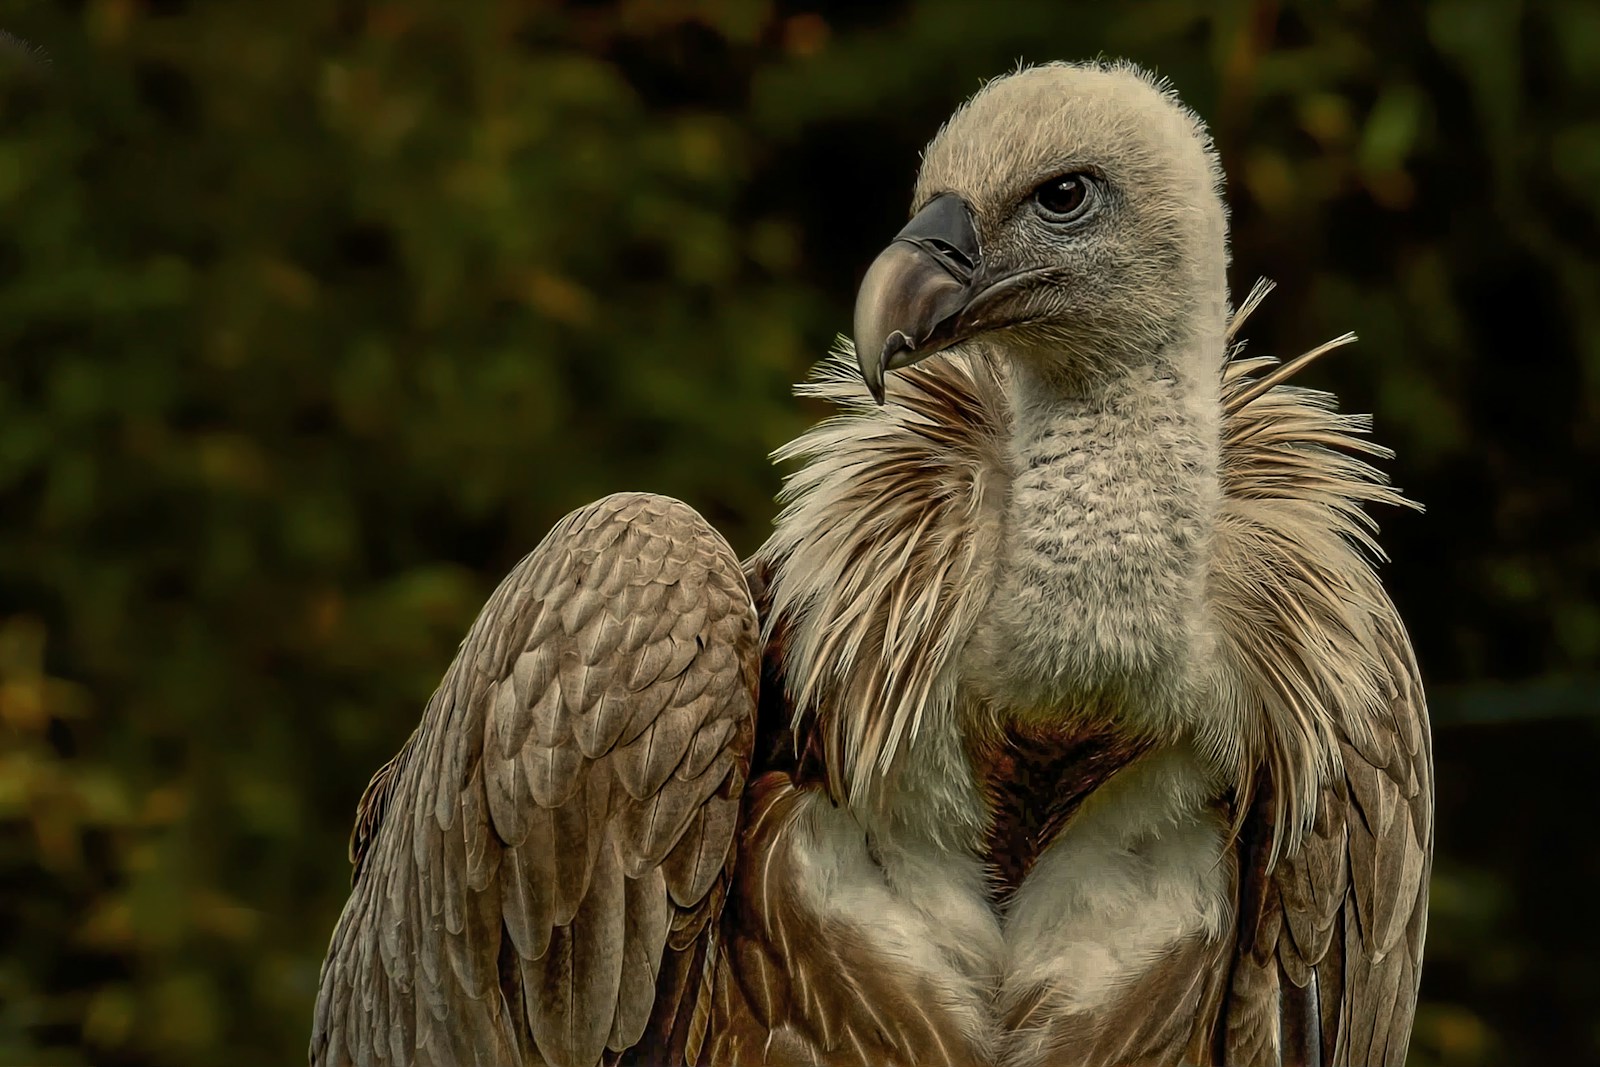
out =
column 1331, row 947
column 538, row 868
column 1337, row 839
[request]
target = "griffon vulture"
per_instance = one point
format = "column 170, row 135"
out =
column 1062, row 719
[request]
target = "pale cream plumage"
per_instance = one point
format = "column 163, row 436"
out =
column 1086, row 732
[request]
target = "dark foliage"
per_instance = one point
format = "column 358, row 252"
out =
column 314, row 316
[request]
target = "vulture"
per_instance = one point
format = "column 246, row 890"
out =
column 1062, row 720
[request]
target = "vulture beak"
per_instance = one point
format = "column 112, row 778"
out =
column 911, row 302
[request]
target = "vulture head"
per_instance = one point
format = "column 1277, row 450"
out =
column 1071, row 213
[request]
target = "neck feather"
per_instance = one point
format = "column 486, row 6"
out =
column 1100, row 597
column 994, row 542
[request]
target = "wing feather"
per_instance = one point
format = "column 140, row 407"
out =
column 570, row 799
column 1338, row 838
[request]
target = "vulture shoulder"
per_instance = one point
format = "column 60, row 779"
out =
column 538, row 870
column 1337, row 829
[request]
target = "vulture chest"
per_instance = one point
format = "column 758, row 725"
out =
column 849, row 946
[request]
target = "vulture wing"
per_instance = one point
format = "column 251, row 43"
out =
column 1338, row 838
column 539, row 868
column 1331, row 952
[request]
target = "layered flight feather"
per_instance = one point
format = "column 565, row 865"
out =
column 538, row 869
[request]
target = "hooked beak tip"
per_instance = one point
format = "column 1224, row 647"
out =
column 874, row 380
column 891, row 357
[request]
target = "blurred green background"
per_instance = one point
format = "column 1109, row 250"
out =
column 315, row 315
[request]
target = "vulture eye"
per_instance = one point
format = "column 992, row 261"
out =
column 1065, row 198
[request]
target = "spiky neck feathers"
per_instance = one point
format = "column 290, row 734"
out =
column 988, row 541
column 960, row 520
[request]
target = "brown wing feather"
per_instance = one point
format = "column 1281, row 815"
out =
column 550, row 847
column 1337, row 842
column 370, row 809
column 1331, row 945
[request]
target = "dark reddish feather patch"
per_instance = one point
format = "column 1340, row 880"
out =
column 1033, row 781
